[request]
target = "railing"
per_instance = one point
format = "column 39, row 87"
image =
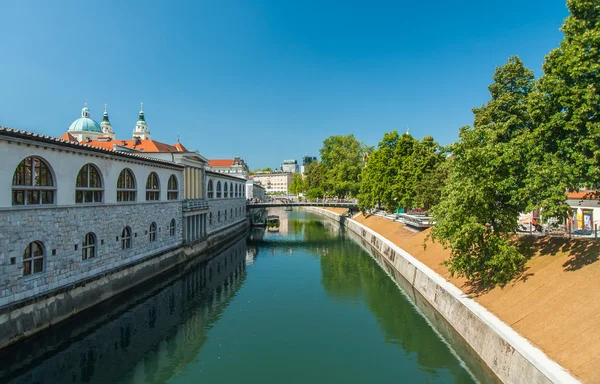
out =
column 195, row 205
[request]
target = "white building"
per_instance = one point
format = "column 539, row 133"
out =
column 274, row 182
column 236, row 166
column 290, row 166
column 254, row 189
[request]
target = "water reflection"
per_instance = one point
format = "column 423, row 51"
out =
column 146, row 336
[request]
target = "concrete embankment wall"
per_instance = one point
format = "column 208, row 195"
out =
column 25, row 318
column 511, row 357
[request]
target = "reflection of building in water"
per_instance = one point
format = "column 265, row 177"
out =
column 284, row 222
column 147, row 338
column 251, row 253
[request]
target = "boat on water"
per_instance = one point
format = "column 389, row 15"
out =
column 289, row 208
column 273, row 223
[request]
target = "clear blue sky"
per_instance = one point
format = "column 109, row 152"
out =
column 265, row 80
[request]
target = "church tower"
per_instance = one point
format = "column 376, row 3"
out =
column 106, row 126
column 141, row 129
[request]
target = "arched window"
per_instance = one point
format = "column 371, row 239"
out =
column 88, row 187
column 153, row 231
column 33, row 258
column 152, row 187
column 218, row 189
column 236, row 191
column 32, row 182
column 230, row 189
column 126, row 238
column 225, row 190
column 126, row 186
column 172, row 227
column 209, row 190
column 88, row 247
column 172, row 188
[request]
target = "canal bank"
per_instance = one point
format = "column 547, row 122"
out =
column 509, row 355
column 25, row 318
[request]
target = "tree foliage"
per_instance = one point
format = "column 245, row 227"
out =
column 484, row 196
column 341, row 165
column 397, row 171
column 297, row 184
column 565, row 108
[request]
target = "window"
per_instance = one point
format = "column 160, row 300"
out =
column 153, row 232
column 33, row 258
column 225, row 190
column 210, row 218
column 225, row 214
column 218, row 216
column 236, row 191
column 172, row 188
column 218, row 189
column 88, row 187
column 126, row 238
column 126, row 186
column 230, row 189
column 152, row 187
column 172, row 227
column 88, row 247
column 32, row 183
column 231, row 213
column 209, row 190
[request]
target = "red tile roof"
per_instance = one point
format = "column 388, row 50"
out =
column 220, row 162
column 138, row 145
column 68, row 137
column 588, row 195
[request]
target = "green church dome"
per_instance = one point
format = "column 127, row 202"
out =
column 85, row 123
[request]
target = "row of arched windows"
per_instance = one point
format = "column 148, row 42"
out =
column 233, row 191
column 33, row 184
column 34, row 255
column 233, row 214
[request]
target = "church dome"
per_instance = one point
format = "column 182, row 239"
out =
column 85, row 123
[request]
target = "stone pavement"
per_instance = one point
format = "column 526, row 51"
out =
column 555, row 304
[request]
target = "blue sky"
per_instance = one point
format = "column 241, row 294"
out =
column 265, row 80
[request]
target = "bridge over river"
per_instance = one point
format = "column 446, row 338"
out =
column 350, row 205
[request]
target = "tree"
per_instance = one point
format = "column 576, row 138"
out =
column 297, row 184
column 566, row 110
column 483, row 198
column 268, row 169
column 313, row 176
column 341, row 162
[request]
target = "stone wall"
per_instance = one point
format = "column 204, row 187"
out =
column 511, row 357
column 225, row 212
column 61, row 231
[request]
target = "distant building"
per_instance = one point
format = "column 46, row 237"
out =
column 305, row 161
column 254, row 189
column 235, row 166
column 290, row 166
column 274, row 182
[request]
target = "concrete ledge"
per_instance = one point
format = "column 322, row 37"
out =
column 21, row 320
column 511, row 357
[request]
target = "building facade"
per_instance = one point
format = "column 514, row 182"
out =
column 290, row 166
column 73, row 211
column 235, row 166
column 254, row 189
column 274, row 182
column 305, row 161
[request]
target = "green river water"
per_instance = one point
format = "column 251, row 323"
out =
column 303, row 305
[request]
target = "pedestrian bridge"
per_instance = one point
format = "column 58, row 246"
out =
column 349, row 205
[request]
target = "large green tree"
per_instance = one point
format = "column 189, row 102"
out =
column 341, row 165
column 565, row 108
column 297, row 184
column 483, row 198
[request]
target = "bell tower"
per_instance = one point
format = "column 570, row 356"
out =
column 141, row 128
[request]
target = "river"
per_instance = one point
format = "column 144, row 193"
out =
column 303, row 305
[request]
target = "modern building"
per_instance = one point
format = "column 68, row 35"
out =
column 290, row 166
column 305, row 161
column 274, row 182
column 235, row 166
column 254, row 189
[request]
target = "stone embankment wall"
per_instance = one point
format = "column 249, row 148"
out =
column 28, row 316
column 511, row 357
